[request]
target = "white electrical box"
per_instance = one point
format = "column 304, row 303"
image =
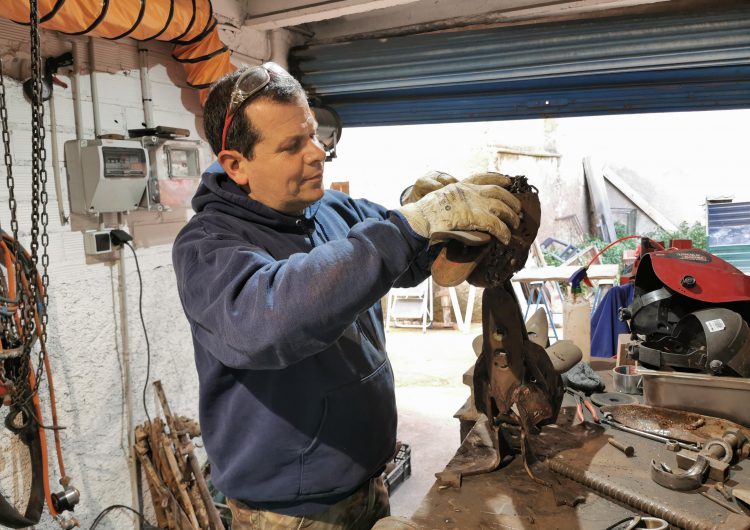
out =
column 105, row 175
column 175, row 171
column 97, row 242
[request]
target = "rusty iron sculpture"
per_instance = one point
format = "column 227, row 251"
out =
column 515, row 384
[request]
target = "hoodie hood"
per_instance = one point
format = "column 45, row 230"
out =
column 218, row 192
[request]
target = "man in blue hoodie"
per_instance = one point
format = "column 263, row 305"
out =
column 281, row 282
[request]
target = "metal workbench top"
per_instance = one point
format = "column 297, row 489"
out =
column 507, row 498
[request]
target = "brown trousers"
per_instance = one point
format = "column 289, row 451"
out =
column 360, row 511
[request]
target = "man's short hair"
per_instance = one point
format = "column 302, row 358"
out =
column 242, row 135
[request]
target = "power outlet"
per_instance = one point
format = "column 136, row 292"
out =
column 97, row 242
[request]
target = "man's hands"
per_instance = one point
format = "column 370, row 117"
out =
column 434, row 180
column 494, row 179
column 466, row 206
column 438, row 202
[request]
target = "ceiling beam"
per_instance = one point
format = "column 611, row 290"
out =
column 435, row 15
column 271, row 14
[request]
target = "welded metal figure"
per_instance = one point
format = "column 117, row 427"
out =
column 515, row 384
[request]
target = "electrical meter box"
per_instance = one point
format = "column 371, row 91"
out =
column 176, row 166
column 105, row 175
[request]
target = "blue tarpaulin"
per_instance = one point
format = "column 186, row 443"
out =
column 605, row 326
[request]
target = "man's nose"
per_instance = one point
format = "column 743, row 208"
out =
column 315, row 151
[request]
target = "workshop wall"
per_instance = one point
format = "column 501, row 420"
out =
column 675, row 160
column 84, row 326
column 379, row 162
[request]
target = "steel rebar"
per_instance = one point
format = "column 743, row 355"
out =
column 627, row 496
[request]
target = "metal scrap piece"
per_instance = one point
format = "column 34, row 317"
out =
column 674, row 424
column 724, row 504
column 687, row 481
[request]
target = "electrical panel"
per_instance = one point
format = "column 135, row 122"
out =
column 105, row 176
column 151, row 176
column 176, row 166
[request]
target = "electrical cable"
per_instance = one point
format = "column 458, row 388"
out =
column 143, row 324
column 602, row 251
column 108, row 509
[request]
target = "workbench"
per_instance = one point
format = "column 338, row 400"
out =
column 509, row 498
column 532, row 279
column 563, row 273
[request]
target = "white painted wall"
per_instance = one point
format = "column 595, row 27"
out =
column 84, row 333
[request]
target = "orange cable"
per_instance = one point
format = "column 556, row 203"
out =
column 42, row 443
column 51, row 388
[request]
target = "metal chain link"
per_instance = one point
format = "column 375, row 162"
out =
column 8, row 158
column 21, row 368
column 38, row 194
column 39, row 186
column 40, row 157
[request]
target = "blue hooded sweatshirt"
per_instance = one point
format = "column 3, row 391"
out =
column 297, row 405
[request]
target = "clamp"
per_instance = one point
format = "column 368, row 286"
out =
column 713, row 460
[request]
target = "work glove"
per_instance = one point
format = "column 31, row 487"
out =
column 430, row 181
column 462, row 206
column 583, row 378
column 434, row 180
column 489, row 177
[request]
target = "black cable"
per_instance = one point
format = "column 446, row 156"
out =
column 108, row 509
column 145, row 333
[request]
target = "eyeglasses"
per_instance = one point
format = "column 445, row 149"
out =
column 249, row 83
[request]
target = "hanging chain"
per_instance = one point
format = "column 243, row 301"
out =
column 35, row 304
column 38, row 187
column 21, row 368
column 8, row 158
column 39, row 170
column 9, row 174
column 36, row 88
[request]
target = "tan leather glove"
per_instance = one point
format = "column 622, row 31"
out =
column 489, row 177
column 462, row 206
column 430, row 181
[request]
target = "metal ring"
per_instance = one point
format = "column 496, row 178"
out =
column 728, row 452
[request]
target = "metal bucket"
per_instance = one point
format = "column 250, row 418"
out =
column 627, row 380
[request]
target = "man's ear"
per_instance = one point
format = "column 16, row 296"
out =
column 231, row 160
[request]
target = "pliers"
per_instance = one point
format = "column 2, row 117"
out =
column 581, row 401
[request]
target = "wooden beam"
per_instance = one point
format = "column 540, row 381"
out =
column 264, row 15
column 599, row 200
column 640, row 201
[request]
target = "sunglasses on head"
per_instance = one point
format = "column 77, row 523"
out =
column 249, row 83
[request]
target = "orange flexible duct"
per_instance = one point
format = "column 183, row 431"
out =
column 189, row 24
